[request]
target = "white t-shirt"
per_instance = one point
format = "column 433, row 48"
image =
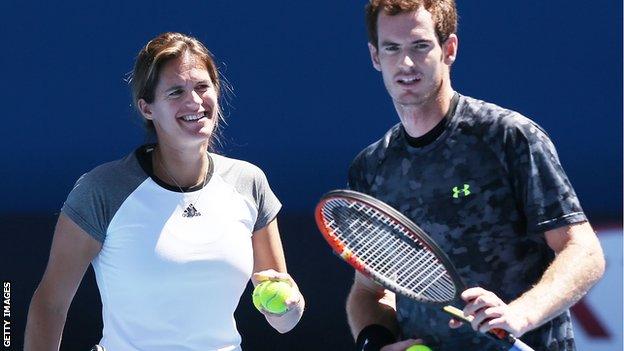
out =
column 170, row 277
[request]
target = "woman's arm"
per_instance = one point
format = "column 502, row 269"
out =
column 72, row 251
column 270, row 264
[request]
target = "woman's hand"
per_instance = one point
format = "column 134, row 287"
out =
column 295, row 303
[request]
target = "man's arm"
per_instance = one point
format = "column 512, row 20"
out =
column 369, row 303
column 578, row 264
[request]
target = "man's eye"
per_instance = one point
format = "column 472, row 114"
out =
column 391, row 48
column 175, row 93
column 203, row 87
column 422, row 46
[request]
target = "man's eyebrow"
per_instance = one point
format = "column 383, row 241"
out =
column 417, row 41
column 388, row 43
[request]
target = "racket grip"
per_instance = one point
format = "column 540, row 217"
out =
column 496, row 334
column 518, row 345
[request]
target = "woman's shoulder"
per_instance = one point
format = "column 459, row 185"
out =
column 115, row 171
column 224, row 165
column 110, row 179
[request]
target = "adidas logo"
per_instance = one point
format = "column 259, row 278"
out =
column 191, row 212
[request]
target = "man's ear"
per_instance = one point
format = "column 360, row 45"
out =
column 145, row 109
column 449, row 49
column 374, row 56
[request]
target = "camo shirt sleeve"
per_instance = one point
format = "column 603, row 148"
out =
column 542, row 189
column 356, row 180
column 364, row 166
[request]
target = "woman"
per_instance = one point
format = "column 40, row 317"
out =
column 173, row 231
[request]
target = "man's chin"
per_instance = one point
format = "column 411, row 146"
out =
column 411, row 101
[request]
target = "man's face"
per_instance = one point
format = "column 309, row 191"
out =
column 413, row 64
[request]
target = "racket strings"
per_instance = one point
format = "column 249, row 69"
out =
column 383, row 246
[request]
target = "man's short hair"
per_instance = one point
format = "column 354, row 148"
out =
column 444, row 13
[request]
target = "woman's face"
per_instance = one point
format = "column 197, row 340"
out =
column 184, row 110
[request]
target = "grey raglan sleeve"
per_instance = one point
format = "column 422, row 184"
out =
column 267, row 202
column 98, row 194
column 85, row 205
column 540, row 183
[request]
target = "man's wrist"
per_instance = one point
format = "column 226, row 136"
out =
column 373, row 337
column 525, row 318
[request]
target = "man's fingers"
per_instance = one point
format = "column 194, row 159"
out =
column 488, row 299
column 454, row 323
column 472, row 293
column 484, row 315
column 496, row 323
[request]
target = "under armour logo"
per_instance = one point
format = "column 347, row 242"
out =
column 191, row 212
column 465, row 191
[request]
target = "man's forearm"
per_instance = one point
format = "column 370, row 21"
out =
column 364, row 308
column 575, row 269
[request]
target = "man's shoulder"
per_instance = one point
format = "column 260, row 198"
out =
column 363, row 167
column 491, row 119
column 377, row 149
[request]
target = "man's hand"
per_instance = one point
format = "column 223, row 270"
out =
column 490, row 312
column 578, row 264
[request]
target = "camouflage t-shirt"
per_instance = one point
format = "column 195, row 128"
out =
column 486, row 190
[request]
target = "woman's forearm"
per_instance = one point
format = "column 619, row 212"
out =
column 287, row 321
column 44, row 326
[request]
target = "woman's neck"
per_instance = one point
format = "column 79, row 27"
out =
column 180, row 167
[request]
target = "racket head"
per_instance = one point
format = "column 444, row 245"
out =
column 386, row 246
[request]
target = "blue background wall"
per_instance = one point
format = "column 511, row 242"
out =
column 306, row 98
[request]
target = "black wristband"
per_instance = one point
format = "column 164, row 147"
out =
column 373, row 338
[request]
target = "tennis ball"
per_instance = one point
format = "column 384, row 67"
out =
column 271, row 296
column 418, row 348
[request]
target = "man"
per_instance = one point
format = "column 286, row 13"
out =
column 484, row 182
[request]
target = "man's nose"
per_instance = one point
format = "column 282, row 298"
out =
column 406, row 61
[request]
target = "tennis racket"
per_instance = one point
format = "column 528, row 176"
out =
column 384, row 245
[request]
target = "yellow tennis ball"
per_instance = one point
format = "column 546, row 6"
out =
column 271, row 295
column 418, row 348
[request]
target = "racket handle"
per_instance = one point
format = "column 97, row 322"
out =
column 518, row 345
column 496, row 334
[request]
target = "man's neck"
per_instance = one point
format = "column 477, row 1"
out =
column 420, row 119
